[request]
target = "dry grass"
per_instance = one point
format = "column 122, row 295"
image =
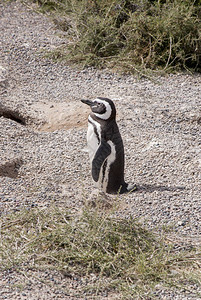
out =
column 124, row 256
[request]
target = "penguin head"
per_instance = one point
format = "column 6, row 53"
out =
column 102, row 108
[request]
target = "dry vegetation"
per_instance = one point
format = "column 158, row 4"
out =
column 133, row 36
column 124, row 257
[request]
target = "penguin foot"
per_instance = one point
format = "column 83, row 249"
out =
column 131, row 187
column 128, row 188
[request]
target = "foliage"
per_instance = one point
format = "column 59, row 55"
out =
column 128, row 34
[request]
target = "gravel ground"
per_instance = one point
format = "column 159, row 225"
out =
column 42, row 161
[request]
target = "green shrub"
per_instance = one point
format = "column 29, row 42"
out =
column 140, row 34
column 163, row 36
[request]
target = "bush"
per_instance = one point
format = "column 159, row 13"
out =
column 140, row 34
column 163, row 36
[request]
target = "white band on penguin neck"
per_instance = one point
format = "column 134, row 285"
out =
column 108, row 112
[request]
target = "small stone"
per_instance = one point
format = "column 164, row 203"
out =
column 181, row 223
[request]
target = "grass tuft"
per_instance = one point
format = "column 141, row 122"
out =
column 124, row 256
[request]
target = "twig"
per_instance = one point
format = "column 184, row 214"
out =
column 170, row 53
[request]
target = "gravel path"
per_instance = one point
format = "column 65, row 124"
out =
column 160, row 123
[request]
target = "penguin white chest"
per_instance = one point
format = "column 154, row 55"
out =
column 93, row 137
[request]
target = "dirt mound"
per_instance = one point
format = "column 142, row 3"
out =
column 62, row 115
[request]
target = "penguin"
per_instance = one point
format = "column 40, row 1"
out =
column 105, row 147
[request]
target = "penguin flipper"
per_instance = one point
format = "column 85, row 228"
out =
column 102, row 153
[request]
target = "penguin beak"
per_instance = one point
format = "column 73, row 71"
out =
column 88, row 102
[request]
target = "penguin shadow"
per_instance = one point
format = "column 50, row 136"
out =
column 160, row 188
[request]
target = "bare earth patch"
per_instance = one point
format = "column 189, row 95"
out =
column 10, row 168
column 64, row 115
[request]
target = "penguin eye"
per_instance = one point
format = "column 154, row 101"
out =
column 97, row 103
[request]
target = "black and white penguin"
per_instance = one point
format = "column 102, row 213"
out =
column 105, row 147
